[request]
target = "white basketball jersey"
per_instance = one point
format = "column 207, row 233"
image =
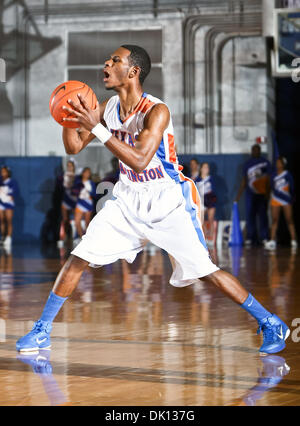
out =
column 164, row 164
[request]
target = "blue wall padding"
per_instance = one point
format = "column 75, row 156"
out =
column 226, row 170
column 37, row 212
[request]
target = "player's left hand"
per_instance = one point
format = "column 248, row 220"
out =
column 85, row 116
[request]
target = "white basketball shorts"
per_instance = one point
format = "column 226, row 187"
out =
column 166, row 214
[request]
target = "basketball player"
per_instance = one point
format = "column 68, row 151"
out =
column 153, row 201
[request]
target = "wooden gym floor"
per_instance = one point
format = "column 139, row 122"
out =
column 127, row 337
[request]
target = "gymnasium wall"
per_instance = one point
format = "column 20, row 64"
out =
column 39, row 134
column 235, row 105
column 37, row 211
column 287, row 132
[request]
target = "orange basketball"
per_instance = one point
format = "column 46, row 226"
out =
column 63, row 93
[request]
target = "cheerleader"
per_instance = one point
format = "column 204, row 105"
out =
column 86, row 190
column 282, row 197
column 68, row 200
column 205, row 185
column 8, row 192
column 194, row 170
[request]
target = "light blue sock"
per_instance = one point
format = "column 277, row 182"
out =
column 52, row 307
column 254, row 308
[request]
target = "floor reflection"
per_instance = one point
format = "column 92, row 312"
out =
column 273, row 370
column 41, row 366
column 126, row 336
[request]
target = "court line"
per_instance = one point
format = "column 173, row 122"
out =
column 138, row 375
column 138, row 342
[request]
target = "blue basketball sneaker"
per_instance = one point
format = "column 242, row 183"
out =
column 37, row 338
column 275, row 332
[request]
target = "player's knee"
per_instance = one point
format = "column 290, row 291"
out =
column 74, row 265
column 211, row 278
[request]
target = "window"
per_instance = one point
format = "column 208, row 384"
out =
column 87, row 52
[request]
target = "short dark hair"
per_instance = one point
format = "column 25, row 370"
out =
column 256, row 146
column 139, row 57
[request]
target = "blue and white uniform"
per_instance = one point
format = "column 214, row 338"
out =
column 69, row 199
column 257, row 172
column 159, row 205
column 8, row 191
column 86, row 193
column 207, row 191
column 282, row 187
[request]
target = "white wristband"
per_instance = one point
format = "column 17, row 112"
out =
column 101, row 133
